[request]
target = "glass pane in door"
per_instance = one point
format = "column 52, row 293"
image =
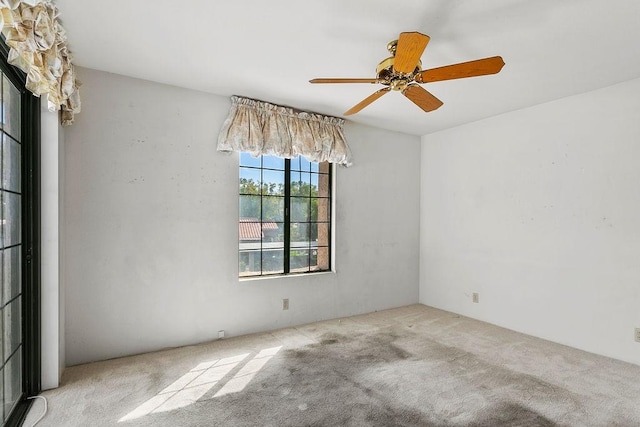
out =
column 11, row 373
column 12, row 381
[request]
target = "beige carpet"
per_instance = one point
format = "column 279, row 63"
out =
column 411, row 366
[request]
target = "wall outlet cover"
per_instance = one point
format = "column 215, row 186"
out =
column 221, row 334
column 475, row 297
column 285, row 304
column 637, row 334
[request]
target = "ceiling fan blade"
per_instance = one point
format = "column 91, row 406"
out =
column 323, row 80
column 368, row 100
column 408, row 51
column 479, row 67
column 422, row 98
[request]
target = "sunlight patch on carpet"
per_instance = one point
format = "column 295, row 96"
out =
column 193, row 385
column 247, row 372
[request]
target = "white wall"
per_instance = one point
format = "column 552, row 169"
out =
column 151, row 214
column 52, row 304
column 538, row 211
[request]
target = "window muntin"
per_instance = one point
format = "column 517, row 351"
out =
column 285, row 216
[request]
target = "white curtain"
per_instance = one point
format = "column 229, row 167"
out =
column 38, row 46
column 261, row 128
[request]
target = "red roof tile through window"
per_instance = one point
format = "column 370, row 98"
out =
column 252, row 228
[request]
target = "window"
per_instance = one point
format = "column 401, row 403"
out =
column 285, row 216
column 19, row 250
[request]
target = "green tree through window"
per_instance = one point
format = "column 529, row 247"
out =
column 285, row 215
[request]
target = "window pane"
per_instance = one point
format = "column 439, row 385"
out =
column 320, row 209
column 273, row 234
column 314, row 184
column 295, row 164
column 300, row 209
column 273, row 183
column 11, row 218
column 271, row 162
column 319, row 259
column 11, row 164
column 247, row 159
column 319, row 234
column 272, row 261
column 299, row 260
column 300, row 182
column 249, row 181
column 12, row 382
column 250, row 207
column 249, row 262
column 300, row 163
column 299, row 236
column 273, row 208
column 304, row 163
column 10, row 108
column 11, row 278
column 250, row 231
column 12, row 330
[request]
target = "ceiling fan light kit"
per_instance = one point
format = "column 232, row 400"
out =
column 402, row 72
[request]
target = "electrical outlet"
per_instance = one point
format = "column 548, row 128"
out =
column 285, row 304
column 221, row 334
column 637, row 335
column 475, row 297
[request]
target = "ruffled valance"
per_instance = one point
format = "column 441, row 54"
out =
column 260, row 128
column 38, row 46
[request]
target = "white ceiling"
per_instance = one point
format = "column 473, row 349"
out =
column 269, row 50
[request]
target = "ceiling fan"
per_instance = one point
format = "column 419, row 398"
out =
column 402, row 72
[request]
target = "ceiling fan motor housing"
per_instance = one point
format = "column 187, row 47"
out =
column 389, row 77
